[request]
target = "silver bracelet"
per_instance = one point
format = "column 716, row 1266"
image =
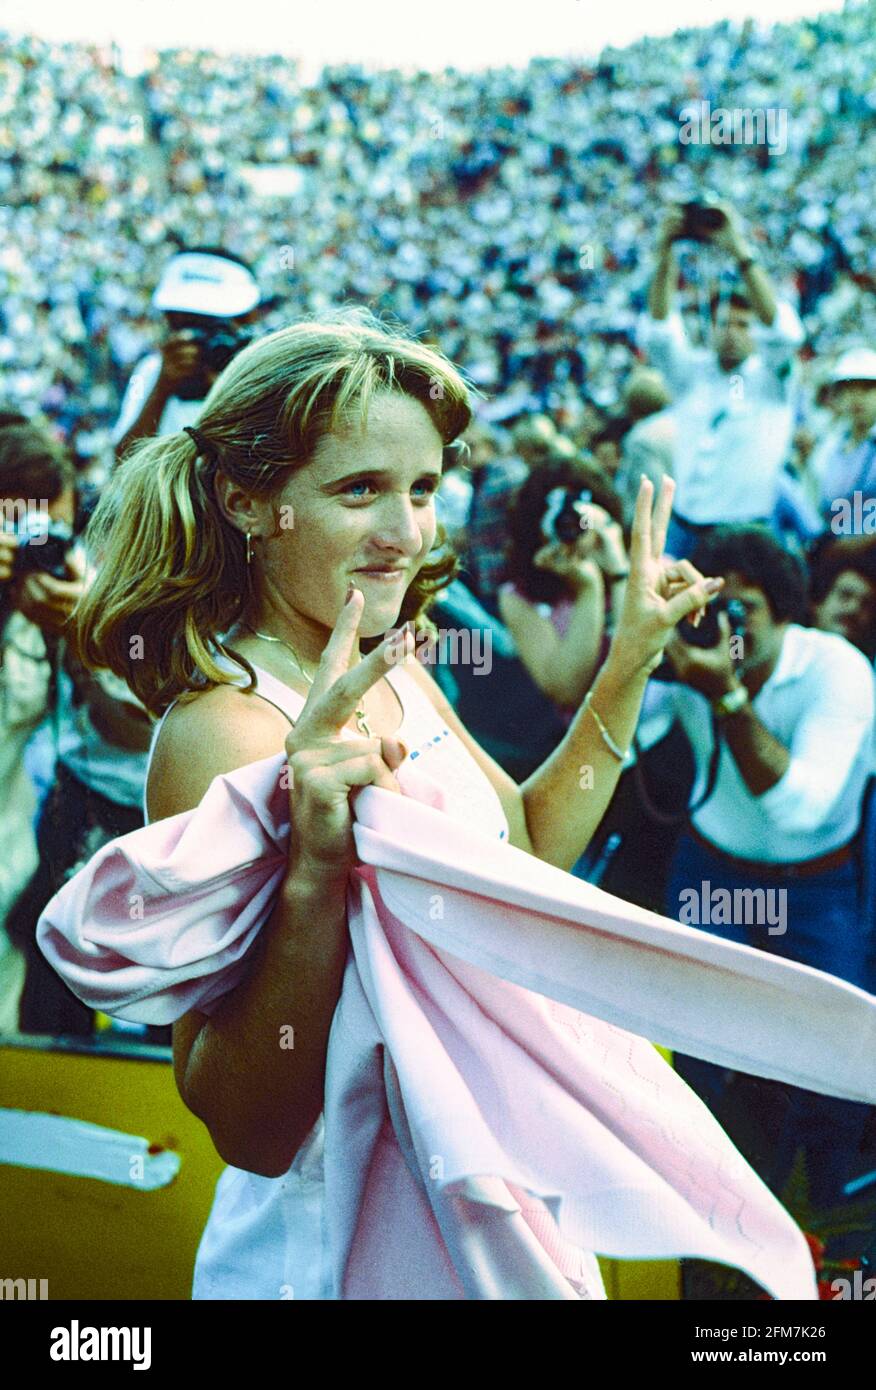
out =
column 606, row 736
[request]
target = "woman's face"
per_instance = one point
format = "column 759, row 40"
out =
column 361, row 511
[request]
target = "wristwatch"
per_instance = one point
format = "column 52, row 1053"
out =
column 731, row 702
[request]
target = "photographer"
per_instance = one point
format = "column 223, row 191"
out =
column 783, row 737
column 91, row 751
column 36, row 488
column 208, row 296
column 845, row 462
column 731, row 401
column 567, row 574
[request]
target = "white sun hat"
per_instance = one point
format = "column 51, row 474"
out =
column 195, row 282
column 858, row 364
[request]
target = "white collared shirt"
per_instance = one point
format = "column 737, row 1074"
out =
column 733, row 429
column 841, row 467
column 820, row 702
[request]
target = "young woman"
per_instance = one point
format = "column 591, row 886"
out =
column 561, row 599
column 249, row 571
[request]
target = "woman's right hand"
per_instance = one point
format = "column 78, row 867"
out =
column 326, row 765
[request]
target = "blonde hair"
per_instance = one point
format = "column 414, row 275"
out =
column 171, row 568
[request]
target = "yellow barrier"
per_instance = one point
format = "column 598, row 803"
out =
column 92, row 1239
column 96, row 1240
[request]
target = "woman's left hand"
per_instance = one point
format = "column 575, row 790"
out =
column 659, row 591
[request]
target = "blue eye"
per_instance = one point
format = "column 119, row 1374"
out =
column 430, row 484
column 358, row 482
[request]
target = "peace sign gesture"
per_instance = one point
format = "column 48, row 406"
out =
column 327, row 761
column 660, row 592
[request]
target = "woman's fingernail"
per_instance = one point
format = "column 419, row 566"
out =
column 712, row 586
column 351, row 589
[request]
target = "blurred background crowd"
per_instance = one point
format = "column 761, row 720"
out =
column 510, row 213
column 625, row 302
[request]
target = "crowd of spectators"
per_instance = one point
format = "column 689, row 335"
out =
column 508, row 214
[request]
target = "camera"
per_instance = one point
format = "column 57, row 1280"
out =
column 217, row 347
column 701, row 219
column 42, row 547
column 708, row 634
column 564, row 514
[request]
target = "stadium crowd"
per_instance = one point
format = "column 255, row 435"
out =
column 509, row 214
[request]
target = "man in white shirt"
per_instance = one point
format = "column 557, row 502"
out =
column 843, row 466
column 207, row 296
column 732, row 404
column 771, row 857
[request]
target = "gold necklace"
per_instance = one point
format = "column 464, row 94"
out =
column 361, row 714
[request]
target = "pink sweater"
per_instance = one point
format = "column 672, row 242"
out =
column 481, row 1134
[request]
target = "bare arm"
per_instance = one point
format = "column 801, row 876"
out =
column 661, row 293
column 179, row 359
column 254, row 1070
column 563, row 667
column 760, row 289
column 555, row 812
column 258, row 1097
column 731, row 238
column 147, row 422
column 761, row 759
column 566, row 798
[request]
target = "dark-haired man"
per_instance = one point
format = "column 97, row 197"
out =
column 844, row 597
column 770, row 859
column 202, row 293
column 732, row 405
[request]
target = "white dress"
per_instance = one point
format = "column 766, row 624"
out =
column 266, row 1238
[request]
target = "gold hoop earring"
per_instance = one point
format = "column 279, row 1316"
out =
column 248, row 548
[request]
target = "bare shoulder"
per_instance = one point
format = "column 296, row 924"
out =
column 215, row 731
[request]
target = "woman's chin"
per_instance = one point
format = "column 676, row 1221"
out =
column 378, row 618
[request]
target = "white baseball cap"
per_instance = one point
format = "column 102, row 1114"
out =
column 195, row 282
column 858, row 364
